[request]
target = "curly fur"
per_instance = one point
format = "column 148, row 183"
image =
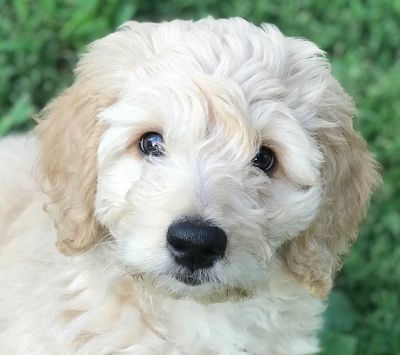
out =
column 216, row 90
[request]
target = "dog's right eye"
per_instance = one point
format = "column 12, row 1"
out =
column 150, row 144
column 264, row 160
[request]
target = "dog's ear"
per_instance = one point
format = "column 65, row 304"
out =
column 69, row 133
column 349, row 175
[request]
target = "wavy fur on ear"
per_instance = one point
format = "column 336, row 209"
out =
column 349, row 176
column 69, row 134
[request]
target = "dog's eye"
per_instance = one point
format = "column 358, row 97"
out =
column 264, row 159
column 150, row 144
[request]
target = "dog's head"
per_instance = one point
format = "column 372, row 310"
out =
column 205, row 151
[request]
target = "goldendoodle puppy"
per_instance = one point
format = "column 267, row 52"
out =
column 191, row 193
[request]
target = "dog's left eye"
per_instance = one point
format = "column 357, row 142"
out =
column 264, row 159
column 150, row 144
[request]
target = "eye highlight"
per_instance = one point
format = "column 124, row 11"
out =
column 150, row 144
column 264, row 160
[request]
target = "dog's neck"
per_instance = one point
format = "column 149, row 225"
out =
column 277, row 308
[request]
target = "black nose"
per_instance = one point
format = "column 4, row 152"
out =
column 196, row 244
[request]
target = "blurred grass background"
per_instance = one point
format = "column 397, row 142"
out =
column 39, row 45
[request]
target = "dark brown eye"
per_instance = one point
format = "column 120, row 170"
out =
column 264, row 159
column 150, row 144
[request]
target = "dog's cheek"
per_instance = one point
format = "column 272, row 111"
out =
column 113, row 184
column 151, row 203
column 290, row 211
column 141, row 241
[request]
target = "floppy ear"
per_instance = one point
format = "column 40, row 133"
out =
column 69, row 133
column 349, row 175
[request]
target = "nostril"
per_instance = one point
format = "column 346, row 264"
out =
column 178, row 245
column 208, row 252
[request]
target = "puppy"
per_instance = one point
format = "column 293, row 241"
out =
column 191, row 193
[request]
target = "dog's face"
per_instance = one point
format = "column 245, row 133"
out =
column 204, row 152
column 199, row 183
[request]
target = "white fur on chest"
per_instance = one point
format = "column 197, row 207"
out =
column 82, row 306
column 278, row 320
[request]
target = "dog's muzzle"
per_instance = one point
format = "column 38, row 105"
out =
column 195, row 244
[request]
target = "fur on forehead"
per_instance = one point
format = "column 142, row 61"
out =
column 268, row 66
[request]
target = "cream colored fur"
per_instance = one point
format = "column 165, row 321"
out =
column 216, row 90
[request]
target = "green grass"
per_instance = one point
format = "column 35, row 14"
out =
column 39, row 43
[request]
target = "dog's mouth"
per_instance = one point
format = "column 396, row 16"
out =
column 216, row 290
column 189, row 279
column 194, row 278
column 202, row 284
column 186, row 277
